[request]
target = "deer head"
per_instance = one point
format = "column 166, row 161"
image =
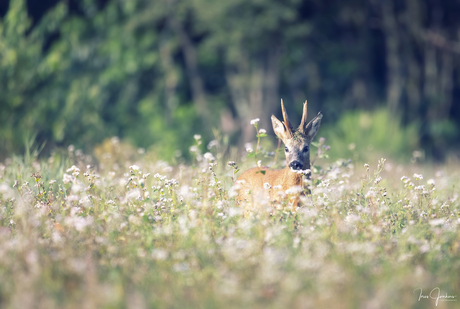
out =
column 297, row 142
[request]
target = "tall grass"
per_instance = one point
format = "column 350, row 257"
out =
column 132, row 232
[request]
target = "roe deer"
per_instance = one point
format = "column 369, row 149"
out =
column 297, row 151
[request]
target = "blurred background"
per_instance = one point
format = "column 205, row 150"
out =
column 385, row 74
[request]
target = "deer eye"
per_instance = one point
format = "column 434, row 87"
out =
column 305, row 149
column 286, row 149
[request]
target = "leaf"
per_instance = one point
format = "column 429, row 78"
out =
column 251, row 155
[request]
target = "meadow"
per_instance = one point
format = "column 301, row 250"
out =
column 126, row 230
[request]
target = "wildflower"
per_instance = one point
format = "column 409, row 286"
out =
column 420, row 188
column 278, row 187
column 213, row 143
column 194, row 148
column 294, row 190
column 352, row 218
column 366, row 165
column 197, row 137
column 208, row 156
column 255, row 121
column 145, row 175
column 281, row 194
column 370, row 193
column 377, row 180
column 231, row 163
column 431, row 181
column 418, row 176
column 249, row 149
column 67, row 178
column 134, row 167
column 267, row 186
column 73, row 169
column 405, row 179
column 262, row 131
column 259, row 163
column 159, row 254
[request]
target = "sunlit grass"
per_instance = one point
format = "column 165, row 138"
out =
column 133, row 232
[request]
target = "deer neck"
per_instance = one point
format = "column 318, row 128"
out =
column 291, row 178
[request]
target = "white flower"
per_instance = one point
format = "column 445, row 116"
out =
column 208, row 156
column 405, row 179
column 377, row 180
column 67, row 178
column 73, row 169
column 213, row 143
column 52, row 181
column 294, row 190
column 262, row 131
column 81, row 222
column 370, row 193
column 159, row 254
column 259, row 163
column 431, row 181
column 249, row 149
column 194, row 148
column 352, row 218
column 134, row 167
column 254, row 121
column 267, row 186
column 418, row 176
column 278, row 187
column 197, row 137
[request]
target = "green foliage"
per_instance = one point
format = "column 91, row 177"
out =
column 154, row 73
column 364, row 135
column 105, row 75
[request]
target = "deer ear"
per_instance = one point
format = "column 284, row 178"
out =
column 278, row 127
column 313, row 126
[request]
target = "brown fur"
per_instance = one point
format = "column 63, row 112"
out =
column 252, row 180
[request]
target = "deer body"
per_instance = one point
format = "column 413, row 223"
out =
column 257, row 183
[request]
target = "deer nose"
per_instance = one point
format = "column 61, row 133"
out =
column 295, row 165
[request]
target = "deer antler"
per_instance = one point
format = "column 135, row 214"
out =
column 287, row 123
column 303, row 123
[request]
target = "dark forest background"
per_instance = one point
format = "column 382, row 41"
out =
column 386, row 74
